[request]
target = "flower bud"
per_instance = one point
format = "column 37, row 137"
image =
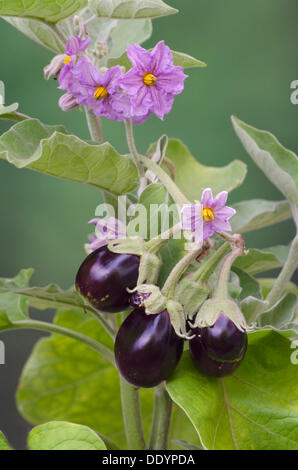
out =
column 68, row 101
column 54, row 67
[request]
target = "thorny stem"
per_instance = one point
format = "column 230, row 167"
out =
column 131, row 411
column 61, row 330
column 161, row 419
column 171, row 282
column 94, row 126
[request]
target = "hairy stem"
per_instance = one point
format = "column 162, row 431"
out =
column 285, row 274
column 133, row 150
column 161, row 419
column 132, row 419
column 170, row 185
column 205, row 271
column 156, row 243
column 221, row 290
column 171, row 282
column 61, row 330
column 94, row 126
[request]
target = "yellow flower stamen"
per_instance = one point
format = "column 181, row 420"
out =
column 208, row 214
column 149, row 79
column 100, row 93
column 67, row 59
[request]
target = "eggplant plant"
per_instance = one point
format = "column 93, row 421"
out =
column 168, row 323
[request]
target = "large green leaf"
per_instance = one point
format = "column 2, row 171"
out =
column 267, row 283
column 48, row 10
column 282, row 316
column 192, row 177
column 128, row 31
column 248, row 284
column 255, row 408
column 38, row 31
column 14, row 304
column 65, row 380
column 279, row 164
column 61, row 435
column 49, row 150
column 257, row 261
column 179, row 58
column 258, row 213
column 130, row 8
column 3, row 443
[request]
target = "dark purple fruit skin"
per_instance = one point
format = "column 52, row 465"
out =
column 103, row 279
column 147, row 349
column 218, row 350
column 137, row 299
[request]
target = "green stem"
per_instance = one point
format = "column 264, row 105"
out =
column 205, row 271
column 172, row 188
column 221, row 290
column 132, row 416
column 61, row 330
column 285, row 275
column 94, row 126
column 161, row 419
column 132, row 148
column 172, row 280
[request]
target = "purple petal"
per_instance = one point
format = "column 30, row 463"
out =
column 172, row 81
column 76, row 44
column 221, row 225
column 142, row 101
column 139, row 57
column 207, row 198
column 132, row 81
column 111, row 79
column 161, row 58
column 162, row 102
column 86, row 73
column 208, row 229
column 220, row 200
column 224, row 213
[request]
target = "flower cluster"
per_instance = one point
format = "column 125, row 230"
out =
column 148, row 87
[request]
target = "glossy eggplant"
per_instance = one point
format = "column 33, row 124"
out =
column 103, row 279
column 147, row 349
column 218, row 350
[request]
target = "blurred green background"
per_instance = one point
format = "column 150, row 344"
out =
column 251, row 52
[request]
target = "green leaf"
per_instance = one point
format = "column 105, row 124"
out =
column 171, row 254
column 49, row 150
column 65, row 380
column 15, row 305
column 282, row 316
column 37, row 31
column 3, row 442
column 5, row 323
column 279, row 164
column 259, row 213
column 130, row 8
column 6, row 110
column 179, row 58
column 128, row 31
column 60, row 435
column 255, row 408
column 186, row 445
column 192, row 177
column 48, row 10
column 257, row 261
column 248, row 284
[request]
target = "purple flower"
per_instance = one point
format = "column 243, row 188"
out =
column 74, row 47
column 153, row 81
column 106, row 229
column 100, row 91
column 210, row 213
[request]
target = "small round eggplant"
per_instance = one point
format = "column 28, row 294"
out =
column 147, row 349
column 104, row 277
column 218, row 350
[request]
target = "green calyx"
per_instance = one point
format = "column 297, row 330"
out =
column 211, row 310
